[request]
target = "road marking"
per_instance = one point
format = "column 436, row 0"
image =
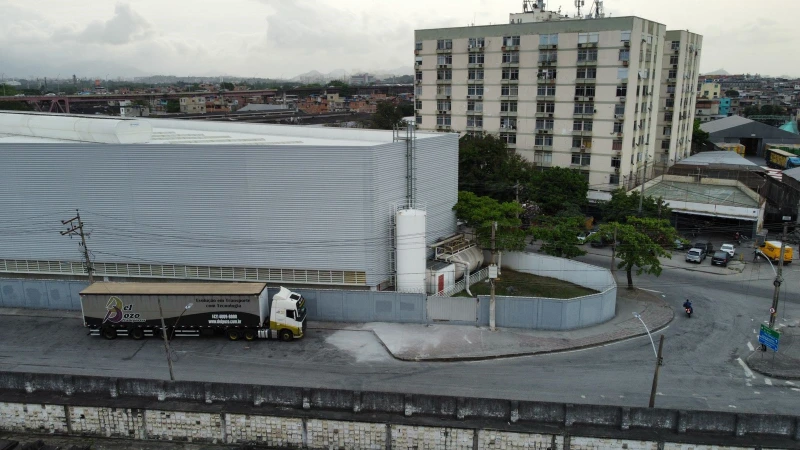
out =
column 790, row 383
column 754, row 331
column 583, row 396
column 465, row 338
column 750, row 346
column 756, row 392
column 731, row 406
column 747, row 372
column 796, row 389
column 650, row 290
column 768, row 382
column 659, row 393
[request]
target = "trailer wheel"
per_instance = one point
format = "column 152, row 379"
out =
column 137, row 333
column 250, row 335
column 233, row 334
column 285, row 335
column 109, row 333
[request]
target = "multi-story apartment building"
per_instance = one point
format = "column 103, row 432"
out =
column 581, row 93
column 676, row 105
column 193, row 105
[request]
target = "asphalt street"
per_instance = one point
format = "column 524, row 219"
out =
column 702, row 354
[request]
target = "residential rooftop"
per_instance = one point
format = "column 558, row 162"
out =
column 723, row 158
column 49, row 128
column 716, row 194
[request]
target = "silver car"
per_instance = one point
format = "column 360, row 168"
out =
column 696, row 255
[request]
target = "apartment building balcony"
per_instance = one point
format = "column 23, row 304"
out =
column 444, row 50
column 475, row 49
column 474, row 97
column 443, row 127
column 548, row 62
column 444, row 66
column 474, row 80
column 474, row 128
column 510, row 48
column 590, row 63
column 548, row 46
column 443, row 96
column 544, row 131
column 540, row 98
column 508, row 114
column 581, row 133
column 584, row 115
column 475, row 65
column 511, row 145
column 510, row 81
column 444, row 81
column 443, row 112
column 588, row 45
column 546, row 81
column 548, row 148
column 508, row 128
column 585, row 81
column 507, row 97
column 626, row 43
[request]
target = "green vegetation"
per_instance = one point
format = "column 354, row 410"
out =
column 699, row 137
column 522, row 284
column 479, row 213
column 12, row 106
column 389, row 115
column 559, row 236
column 624, row 204
column 173, row 106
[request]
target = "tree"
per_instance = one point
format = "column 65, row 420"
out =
column 173, row 106
column 732, row 93
column 387, row 116
column 751, row 110
column 699, row 137
column 624, row 204
column 557, row 189
column 637, row 247
column 344, row 89
column 772, row 110
column 559, row 236
column 487, row 167
column 12, row 106
column 479, row 213
column 226, row 85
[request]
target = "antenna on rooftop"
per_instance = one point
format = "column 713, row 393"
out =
column 579, row 4
column 532, row 5
column 596, row 12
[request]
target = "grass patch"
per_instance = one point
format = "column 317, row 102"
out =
column 522, row 284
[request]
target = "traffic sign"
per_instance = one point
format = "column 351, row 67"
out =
column 772, row 310
column 769, row 338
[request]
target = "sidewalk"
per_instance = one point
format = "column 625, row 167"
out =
column 783, row 364
column 416, row 342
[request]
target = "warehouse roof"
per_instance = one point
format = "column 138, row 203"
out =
column 26, row 127
column 109, row 288
column 724, row 124
column 727, row 158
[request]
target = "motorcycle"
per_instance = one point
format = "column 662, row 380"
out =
column 689, row 311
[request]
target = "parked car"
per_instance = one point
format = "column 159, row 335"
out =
column 681, row 243
column 583, row 236
column 729, row 249
column 707, row 246
column 696, row 255
column 720, row 258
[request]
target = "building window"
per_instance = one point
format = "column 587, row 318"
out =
column 444, row 44
column 618, row 129
column 584, row 38
column 417, row 91
column 622, row 73
column 509, row 138
column 418, row 76
column 622, row 91
column 444, row 74
column 543, row 158
column 546, row 90
column 509, row 90
column 673, row 59
column 443, row 105
column 418, row 120
column 548, row 39
column 587, row 54
column 619, row 109
column 509, row 123
column 668, row 117
column 584, row 91
column 582, row 159
column 582, row 143
column 581, row 125
column 667, row 131
column 475, row 121
column 616, row 144
column 472, row 105
column 418, row 46
column 508, row 41
column 548, row 56
column 444, row 90
column 676, row 45
column 673, row 73
column 624, row 54
column 511, row 57
column 418, row 104
column 545, row 107
column 587, row 72
column 510, row 74
column 476, row 42
column 546, row 74
column 476, row 58
column 544, row 124
column 475, row 74
column 616, row 162
column 670, row 89
column 443, row 120
column 508, row 106
column 543, row 139
column 670, row 102
column 584, row 108
column 625, row 36
column 444, row 59
column 665, row 144
column 475, row 89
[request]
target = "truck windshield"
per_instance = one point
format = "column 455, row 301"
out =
column 301, row 312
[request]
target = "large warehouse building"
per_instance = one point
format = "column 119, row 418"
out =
column 178, row 199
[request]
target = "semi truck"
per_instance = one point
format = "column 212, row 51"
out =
column 237, row 310
column 780, row 159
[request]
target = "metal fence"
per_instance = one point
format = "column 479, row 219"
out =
column 462, row 285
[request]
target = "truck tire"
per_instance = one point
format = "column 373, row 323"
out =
column 250, row 335
column 109, row 333
column 233, row 334
column 285, row 335
column 137, row 333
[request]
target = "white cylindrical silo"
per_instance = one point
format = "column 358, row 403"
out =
column 410, row 253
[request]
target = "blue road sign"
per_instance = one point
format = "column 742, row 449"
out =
column 769, row 337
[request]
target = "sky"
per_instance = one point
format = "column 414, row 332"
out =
column 284, row 38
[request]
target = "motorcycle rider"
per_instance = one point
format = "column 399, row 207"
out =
column 688, row 305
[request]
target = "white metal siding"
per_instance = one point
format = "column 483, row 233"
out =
column 459, row 309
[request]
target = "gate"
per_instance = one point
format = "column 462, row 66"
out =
column 456, row 309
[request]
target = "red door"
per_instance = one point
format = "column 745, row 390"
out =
column 440, row 288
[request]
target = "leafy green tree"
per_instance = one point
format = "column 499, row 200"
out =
column 557, row 189
column 699, row 137
column 10, row 91
column 479, row 213
column 751, row 110
column 226, row 85
column 639, row 246
column 559, row 236
column 487, row 167
column 625, row 204
column 732, row 93
column 173, row 106
column 387, row 116
column 772, row 110
column 344, row 89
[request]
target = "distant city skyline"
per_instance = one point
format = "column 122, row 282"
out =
column 283, row 39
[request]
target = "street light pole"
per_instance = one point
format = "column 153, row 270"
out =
column 778, row 279
column 166, row 340
column 659, row 359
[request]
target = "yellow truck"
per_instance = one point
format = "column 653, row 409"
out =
column 772, row 250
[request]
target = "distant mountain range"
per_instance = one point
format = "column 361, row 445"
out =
column 718, row 72
column 341, row 74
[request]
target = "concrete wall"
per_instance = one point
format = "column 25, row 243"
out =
column 549, row 313
column 41, row 294
column 326, row 418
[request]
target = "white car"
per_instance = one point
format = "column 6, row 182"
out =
column 729, row 249
column 583, row 236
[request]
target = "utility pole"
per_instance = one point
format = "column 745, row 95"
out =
column 659, row 363
column 166, row 340
column 614, row 251
column 778, row 279
column 77, row 228
column 491, row 281
column 644, row 180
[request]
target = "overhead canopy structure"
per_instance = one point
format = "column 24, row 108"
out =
column 752, row 134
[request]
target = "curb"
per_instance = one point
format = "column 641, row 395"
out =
column 767, row 372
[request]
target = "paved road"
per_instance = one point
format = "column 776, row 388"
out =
column 701, row 370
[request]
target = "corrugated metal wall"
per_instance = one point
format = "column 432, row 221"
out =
column 296, row 207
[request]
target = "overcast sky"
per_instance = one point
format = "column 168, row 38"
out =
column 283, row 38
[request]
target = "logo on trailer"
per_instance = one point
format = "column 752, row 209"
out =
column 114, row 309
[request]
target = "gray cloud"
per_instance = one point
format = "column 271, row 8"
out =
column 122, row 28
